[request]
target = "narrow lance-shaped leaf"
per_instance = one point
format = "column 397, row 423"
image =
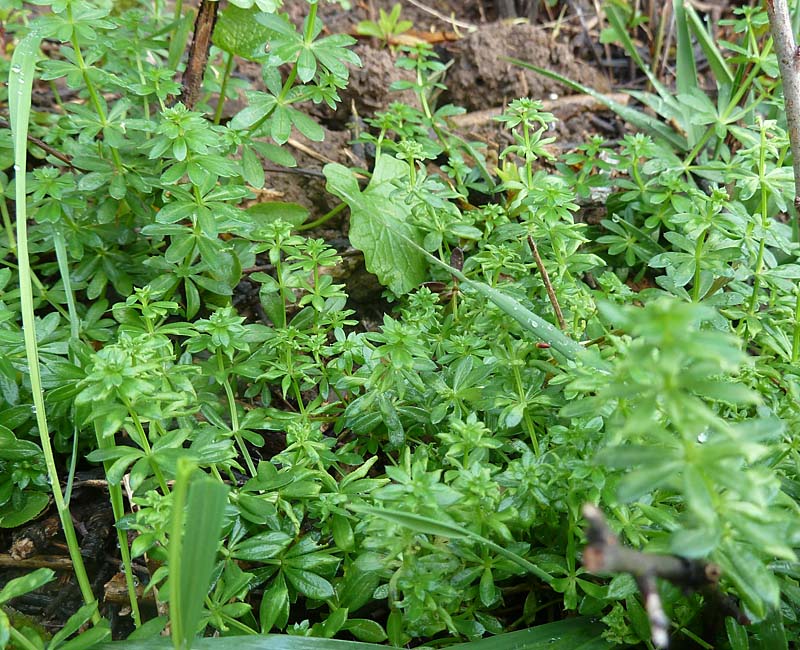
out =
column 429, row 526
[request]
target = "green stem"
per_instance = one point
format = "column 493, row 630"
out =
column 63, row 269
column 144, row 443
column 94, row 97
column 733, row 103
column 764, row 219
column 796, row 338
column 330, row 214
column 698, row 256
column 526, row 418
column 118, row 508
column 234, row 414
column 223, row 88
column 12, row 242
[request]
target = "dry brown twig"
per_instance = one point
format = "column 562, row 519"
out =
column 604, row 554
column 789, row 61
column 198, row 52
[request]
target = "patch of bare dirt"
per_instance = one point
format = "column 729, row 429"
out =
column 480, row 77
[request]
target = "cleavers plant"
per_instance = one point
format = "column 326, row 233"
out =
column 420, row 481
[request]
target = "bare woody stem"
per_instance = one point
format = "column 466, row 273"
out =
column 604, row 554
column 198, row 52
column 547, row 284
column 789, row 62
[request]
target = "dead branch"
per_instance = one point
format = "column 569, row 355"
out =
column 604, row 554
column 789, row 61
column 198, row 52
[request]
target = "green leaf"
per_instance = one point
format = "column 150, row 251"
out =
column 309, row 584
column 714, row 56
column 25, row 584
column 698, row 497
column 73, row 624
column 274, row 610
column 192, row 548
column 5, row 629
column 365, row 629
column 90, row 638
column 33, row 505
column 580, row 633
column 252, row 169
column 379, row 224
column 238, row 32
column 264, row 214
column 430, row 526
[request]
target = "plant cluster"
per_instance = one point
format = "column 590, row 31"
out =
column 429, row 475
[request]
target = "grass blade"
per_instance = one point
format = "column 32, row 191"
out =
column 20, row 84
column 618, row 23
column 638, row 119
column 531, row 323
column 685, row 68
column 722, row 73
column 429, row 526
column 192, row 548
column 571, row 634
column 574, row 634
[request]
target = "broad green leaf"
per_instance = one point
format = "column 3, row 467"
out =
column 33, row 505
column 379, row 224
column 265, row 213
column 309, row 584
column 365, row 629
column 274, row 610
column 238, row 32
column 252, row 169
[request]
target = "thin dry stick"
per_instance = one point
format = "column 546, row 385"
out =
column 42, row 145
column 450, row 20
column 605, row 554
column 789, row 61
column 198, row 52
column 547, row 284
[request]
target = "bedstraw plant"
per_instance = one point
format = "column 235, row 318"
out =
column 421, row 481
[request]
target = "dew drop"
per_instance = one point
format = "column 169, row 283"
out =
column 16, row 68
column 702, row 436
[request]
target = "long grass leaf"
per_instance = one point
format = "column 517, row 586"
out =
column 429, row 526
column 614, row 16
column 192, row 548
column 638, row 119
column 531, row 323
column 685, row 68
column 20, row 84
column 722, row 73
column 572, row 634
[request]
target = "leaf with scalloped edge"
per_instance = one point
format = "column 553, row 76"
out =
column 380, row 225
